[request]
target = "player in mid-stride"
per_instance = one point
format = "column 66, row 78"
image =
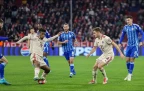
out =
column 37, row 50
column 132, row 31
column 106, row 46
column 66, row 39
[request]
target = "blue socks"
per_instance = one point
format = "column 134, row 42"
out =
column 2, row 66
column 131, row 67
column 128, row 66
column 71, row 68
column 46, row 61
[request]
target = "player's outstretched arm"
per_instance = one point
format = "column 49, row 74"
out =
column 59, row 42
column 52, row 38
column 121, row 38
column 117, row 47
column 22, row 39
column 142, row 33
column 92, row 51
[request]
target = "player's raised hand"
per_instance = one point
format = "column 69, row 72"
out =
column 65, row 41
column 141, row 43
column 59, row 33
column 120, row 46
column 17, row 43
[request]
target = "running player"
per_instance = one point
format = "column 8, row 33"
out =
column 66, row 40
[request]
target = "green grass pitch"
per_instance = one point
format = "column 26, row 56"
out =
column 20, row 73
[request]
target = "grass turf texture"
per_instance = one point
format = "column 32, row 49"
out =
column 19, row 72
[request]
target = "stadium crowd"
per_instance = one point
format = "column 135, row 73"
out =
column 51, row 14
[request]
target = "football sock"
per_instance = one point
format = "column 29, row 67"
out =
column 46, row 61
column 131, row 67
column 37, row 71
column 103, row 72
column 44, row 74
column 128, row 65
column 71, row 67
column 2, row 66
column 94, row 74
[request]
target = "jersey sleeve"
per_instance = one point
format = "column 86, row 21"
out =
column 47, row 35
column 50, row 39
column 74, row 36
column 140, row 31
column 108, row 40
column 122, row 35
column 22, row 39
column 95, row 43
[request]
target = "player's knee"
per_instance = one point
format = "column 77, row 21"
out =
column 95, row 67
column 45, row 54
column 71, row 61
column 47, row 70
column 100, row 67
column 35, row 63
column 127, row 60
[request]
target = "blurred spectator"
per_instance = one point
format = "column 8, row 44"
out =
column 51, row 14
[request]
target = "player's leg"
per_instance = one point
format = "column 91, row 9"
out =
column 71, row 59
column 45, row 52
column 133, row 55
column 104, row 61
column 45, row 59
column 127, row 54
column 101, row 68
column 36, row 65
column 94, row 73
column 3, row 63
column 72, row 70
column 130, row 69
column 46, row 71
column 66, row 55
column 128, row 66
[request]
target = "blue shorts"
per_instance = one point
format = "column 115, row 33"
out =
column 132, row 51
column 1, row 56
column 69, row 54
column 46, row 46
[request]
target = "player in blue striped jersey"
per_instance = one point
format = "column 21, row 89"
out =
column 67, row 39
column 3, row 60
column 45, row 50
column 132, row 31
column 46, row 46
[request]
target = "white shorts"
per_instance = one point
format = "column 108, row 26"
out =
column 106, row 58
column 38, row 58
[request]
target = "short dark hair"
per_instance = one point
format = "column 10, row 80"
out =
column 65, row 24
column 41, row 30
column 1, row 21
column 129, row 16
column 97, row 29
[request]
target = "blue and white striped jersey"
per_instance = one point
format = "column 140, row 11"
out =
column 132, row 32
column 70, row 36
